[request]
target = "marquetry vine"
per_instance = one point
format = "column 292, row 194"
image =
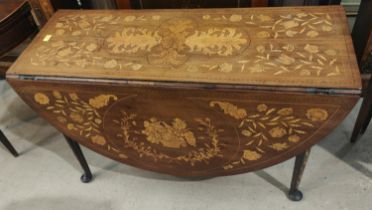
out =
column 174, row 41
column 175, row 135
column 79, row 116
column 310, row 60
column 269, row 128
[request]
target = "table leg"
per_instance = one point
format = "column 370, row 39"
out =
column 300, row 164
column 7, row 144
column 87, row 176
column 363, row 119
column 368, row 119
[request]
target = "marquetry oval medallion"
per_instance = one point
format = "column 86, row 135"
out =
column 170, row 134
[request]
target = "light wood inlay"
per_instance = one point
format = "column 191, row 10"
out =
column 303, row 46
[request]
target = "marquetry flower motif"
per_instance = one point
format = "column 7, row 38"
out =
column 311, row 48
column 76, row 117
column 260, row 48
column 285, row 59
column 262, row 107
column 264, row 18
column 59, row 25
column 57, row 94
column 277, row 132
column 294, row 138
column 107, row 18
column 269, row 128
column 174, row 136
column 41, row 98
column 65, row 52
column 247, row 133
column 136, row 67
column 206, row 17
column 235, row 18
column 289, row 24
column 289, row 47
column 132, row 40
column 251, row 155
column 130, row 18
column 98, row 139
column 291, row 33
column 285, row 111
column 71, row 126
column 73, row 96
column 61, row 119
column 169, row 137
column 156, row 17
column 312, row 34
column 110, row 64
column 91, row 47
column 316, row 114
column 279, row 146
column 101, row 100
column 230, row 109
column 257, row 68
column 76, row 114
column 263, row 34
column 224, row 41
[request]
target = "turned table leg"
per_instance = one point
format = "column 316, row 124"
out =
column 300, row 163
column 87, row 176
column 7, row 144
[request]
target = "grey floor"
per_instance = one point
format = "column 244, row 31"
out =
column 46, row 175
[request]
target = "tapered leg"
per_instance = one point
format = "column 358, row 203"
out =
column 7, row 144
column 364, row 116
column 360, row 121
column 300, row 164
column 368, row 119
column 87, row 176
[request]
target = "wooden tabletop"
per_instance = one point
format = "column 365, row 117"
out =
column 288, row 46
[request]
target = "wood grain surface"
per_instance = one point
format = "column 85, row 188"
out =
column 294, row 46
column 194, row 93
column 186, row 132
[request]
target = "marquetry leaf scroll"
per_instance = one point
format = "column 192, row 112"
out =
column 261, row 132
column 270, row 128
column 174, row 42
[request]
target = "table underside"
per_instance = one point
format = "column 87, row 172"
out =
column 186, row 132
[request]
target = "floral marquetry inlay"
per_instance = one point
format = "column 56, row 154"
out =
column 253, row 131
column 241, row 46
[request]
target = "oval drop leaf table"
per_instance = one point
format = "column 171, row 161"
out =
column 193, row 93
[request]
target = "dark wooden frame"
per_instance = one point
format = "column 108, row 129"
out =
column 14, row 29
column 361, row 34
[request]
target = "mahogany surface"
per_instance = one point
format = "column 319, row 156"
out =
column 7, row 7
column 193, row 92
column 16, row 25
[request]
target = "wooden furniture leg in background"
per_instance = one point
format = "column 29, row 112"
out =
column 7, row 144
column 87, row 176
column 294, row 193
column 364, row 116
